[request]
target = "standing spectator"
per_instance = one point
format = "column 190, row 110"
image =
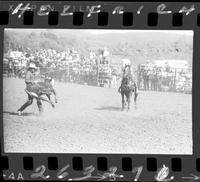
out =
column 146, row 78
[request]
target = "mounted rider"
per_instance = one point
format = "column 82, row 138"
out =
column 30, row 85
column 126, row 65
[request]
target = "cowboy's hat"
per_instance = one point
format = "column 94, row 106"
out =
column 32, row 65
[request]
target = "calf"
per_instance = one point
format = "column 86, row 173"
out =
column 44, row 88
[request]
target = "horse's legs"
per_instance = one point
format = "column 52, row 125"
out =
column 55, row 96
column 49, row 97
column 135, row 99
column 122, row 101
column 128, row 100
column 50, row 102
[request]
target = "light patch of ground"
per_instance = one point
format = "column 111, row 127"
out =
column 89, row 120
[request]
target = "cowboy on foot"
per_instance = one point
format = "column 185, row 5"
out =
column 30, row 85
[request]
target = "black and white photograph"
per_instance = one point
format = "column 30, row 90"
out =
column 97, row 91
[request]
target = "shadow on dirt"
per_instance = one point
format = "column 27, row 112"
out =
column 16, row 114
column 109, row 108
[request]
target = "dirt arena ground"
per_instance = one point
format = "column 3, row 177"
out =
column 89, row 120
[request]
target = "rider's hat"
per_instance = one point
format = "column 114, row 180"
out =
column 32, row 65
column 126, row 62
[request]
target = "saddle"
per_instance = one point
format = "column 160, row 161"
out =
column 128, row 83
column 128, row 87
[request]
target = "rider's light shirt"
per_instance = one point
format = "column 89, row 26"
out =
column 29, row 78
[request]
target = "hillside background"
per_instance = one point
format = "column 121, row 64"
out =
column 138, row 46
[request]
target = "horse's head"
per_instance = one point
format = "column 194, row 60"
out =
column 126, row 73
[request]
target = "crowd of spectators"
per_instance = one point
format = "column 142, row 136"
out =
column 156, row 78
column 67, row 65
column 95, row 69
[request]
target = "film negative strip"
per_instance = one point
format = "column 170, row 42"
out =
column 124, row 77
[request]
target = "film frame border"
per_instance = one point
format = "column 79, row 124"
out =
column 127, row 165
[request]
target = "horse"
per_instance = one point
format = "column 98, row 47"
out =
column 43, row 88
column 127, row 88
